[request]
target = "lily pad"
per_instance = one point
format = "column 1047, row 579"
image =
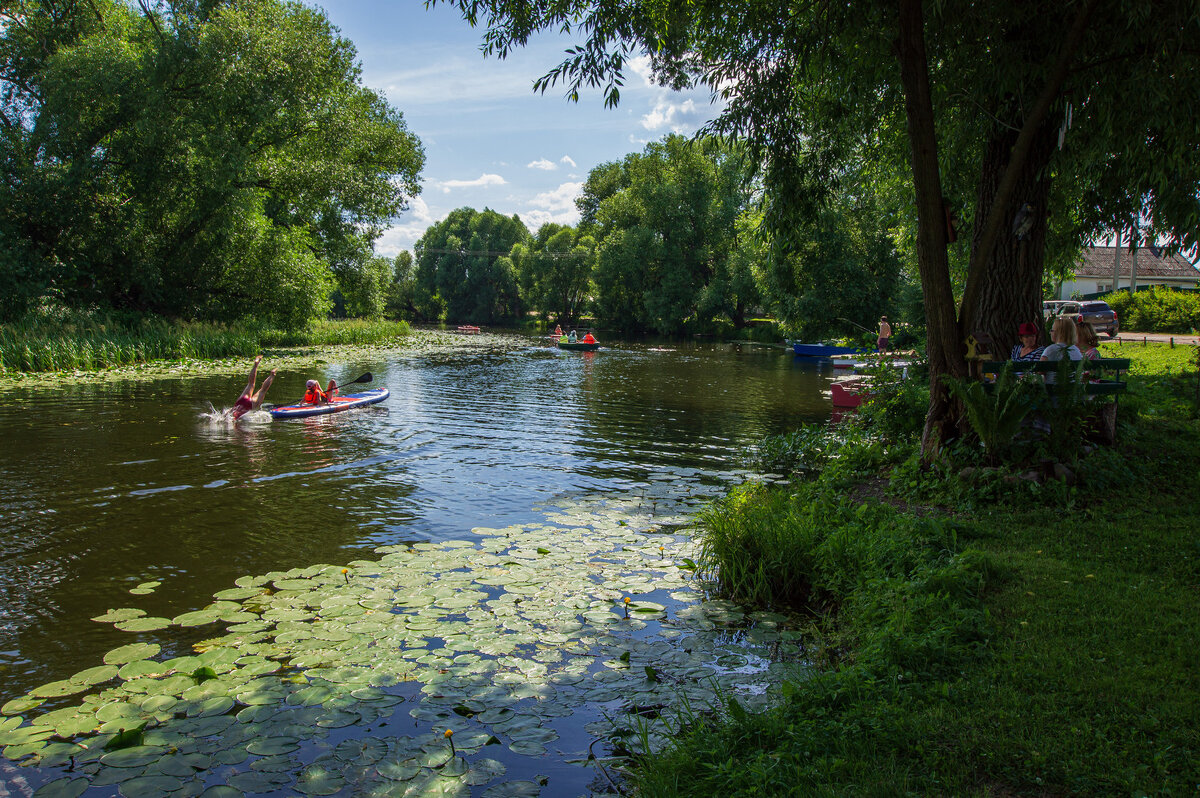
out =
column 62, row 788
column 131, row 653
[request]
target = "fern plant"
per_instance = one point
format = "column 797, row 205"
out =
column 996, row 415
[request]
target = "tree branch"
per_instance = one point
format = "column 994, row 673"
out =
column 982, row 256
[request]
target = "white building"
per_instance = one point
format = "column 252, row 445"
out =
column 1094, row 273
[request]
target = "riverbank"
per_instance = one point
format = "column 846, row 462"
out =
column 1039, row 644
column 85, row 343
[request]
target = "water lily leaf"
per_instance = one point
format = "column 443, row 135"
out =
column 139, row 668
column 148, row 624
column 123, row 614
column 436, row 786
column 273, row 746
column 62, row 788
column 513, row 789
column 398, row 771
column 132, row 652
column 58, row 689
column 132, row 756
column 96, row 675
column 338, row 720
column 484, row 770
column 317, row 780
column 23, row 735
column 18, row 706
column 209, row 707
column 196, row 618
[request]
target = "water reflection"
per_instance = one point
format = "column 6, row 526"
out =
column 109, row 485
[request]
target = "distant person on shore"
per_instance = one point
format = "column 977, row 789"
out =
column 885, row 333
column 1089, row 342
column 252, row 399
column 313, row 395
column 1027, row 349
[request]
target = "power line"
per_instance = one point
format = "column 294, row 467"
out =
column 485, row 254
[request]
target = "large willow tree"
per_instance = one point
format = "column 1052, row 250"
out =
column 194, row 158
column 1005, row 109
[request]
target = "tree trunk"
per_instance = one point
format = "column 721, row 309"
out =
column 1010, row 290
column 943, row 341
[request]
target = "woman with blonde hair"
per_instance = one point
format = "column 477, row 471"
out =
column 1089, row 342
column 1063, row 336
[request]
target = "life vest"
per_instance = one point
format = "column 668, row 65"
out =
column 589, row 339
column 314, row 396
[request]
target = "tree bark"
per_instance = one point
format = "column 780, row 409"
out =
column 1010, row 289
column 944, row 343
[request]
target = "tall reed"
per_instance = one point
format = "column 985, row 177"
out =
column 78, row 341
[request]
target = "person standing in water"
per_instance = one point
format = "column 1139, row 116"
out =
column 252, row 399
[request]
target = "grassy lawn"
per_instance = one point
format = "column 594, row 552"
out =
column 1041, row 643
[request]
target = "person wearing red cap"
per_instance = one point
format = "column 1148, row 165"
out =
column 1028, row 349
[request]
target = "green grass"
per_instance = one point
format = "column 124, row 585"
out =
column 1034, row 643
column 72, row 341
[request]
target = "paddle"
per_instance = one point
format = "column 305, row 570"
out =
column 366, row 377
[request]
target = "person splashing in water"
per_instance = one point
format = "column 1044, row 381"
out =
column 252, row 399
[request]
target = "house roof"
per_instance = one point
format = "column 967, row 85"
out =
column 1098, row 262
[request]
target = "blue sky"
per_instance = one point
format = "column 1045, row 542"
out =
column 490, row 141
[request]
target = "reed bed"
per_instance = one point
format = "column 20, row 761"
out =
column 90, row 342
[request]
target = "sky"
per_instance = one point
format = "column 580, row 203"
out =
column 489, row 140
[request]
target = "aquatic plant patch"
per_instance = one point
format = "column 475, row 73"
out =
column 436, row 669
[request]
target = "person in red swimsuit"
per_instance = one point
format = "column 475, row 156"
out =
column 252, row 399
column 313, row 395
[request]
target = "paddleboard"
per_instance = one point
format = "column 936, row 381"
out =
column 336, row 405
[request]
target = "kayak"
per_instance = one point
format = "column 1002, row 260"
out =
column 335, row 405
column 579, row 346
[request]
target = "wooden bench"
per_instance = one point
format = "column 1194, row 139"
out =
column 1102, row 422
column 1111, row 367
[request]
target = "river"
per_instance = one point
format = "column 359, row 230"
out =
column 110, row 485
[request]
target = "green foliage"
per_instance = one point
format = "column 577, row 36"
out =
column 213, row 162
column 996, row 414
column 1157, row 309
column 666, row 223
column 56, row 340
column 555, row 270
column 803, row 452
column 464, row 269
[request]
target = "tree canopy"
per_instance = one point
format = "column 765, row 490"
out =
column 464, row 268
column 196, row 159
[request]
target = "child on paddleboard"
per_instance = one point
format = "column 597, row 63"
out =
column 252, row 399
column 313, row 395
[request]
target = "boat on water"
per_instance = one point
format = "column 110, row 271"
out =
column 335, row 405
column 825, row 350
column 849, row 392
column 578, row 346
column 468, row 329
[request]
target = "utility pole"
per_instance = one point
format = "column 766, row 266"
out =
column 1117, row 262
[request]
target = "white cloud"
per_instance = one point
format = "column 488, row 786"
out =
column 557, row 205
column 677, row 117
column 568, row 161
column 483, row 180
column 543, row 164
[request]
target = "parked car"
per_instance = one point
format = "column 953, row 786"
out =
column 1095, row 312
column 1099, row 315
column 1050, row 309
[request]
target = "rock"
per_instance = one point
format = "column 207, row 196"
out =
column 1064, row 474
